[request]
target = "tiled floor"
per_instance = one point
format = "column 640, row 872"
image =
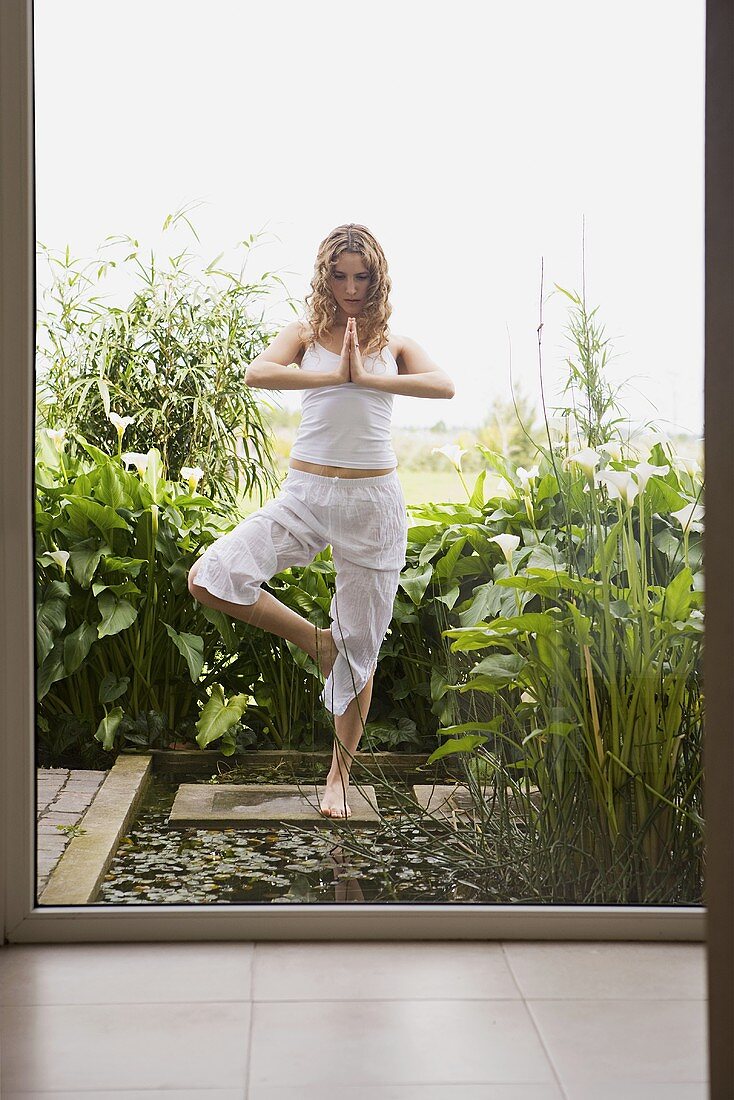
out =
column 362, row 1021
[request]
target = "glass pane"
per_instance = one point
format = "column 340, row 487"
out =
column 369, row 553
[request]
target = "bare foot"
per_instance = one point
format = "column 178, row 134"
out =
column 334, row 803
column 326, row 651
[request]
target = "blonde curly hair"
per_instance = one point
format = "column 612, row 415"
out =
column 372, row 327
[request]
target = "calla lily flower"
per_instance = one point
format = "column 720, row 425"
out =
column 588, row 460
column 691, row 465
column 452, row 451
column 139, row 461
column 654, row 439
column 61, row 558
column 614, row 450
column 690, row 516
column 643, row 471
column 528, row 697
column 507, row 543
column 192, row 473
column 620, row 484
column 526, row 476
column 121, row 422
column 57, row 436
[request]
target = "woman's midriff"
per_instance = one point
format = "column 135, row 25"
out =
column 336, row 471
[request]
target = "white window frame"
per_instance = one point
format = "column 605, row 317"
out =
column 23, row 922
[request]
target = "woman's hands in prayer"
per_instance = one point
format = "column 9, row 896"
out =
column 357, row 373
column 351, row 367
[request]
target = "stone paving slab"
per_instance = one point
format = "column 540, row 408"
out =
column 76, row 877
column 249, row 805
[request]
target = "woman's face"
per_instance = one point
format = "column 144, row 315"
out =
column 349, row 282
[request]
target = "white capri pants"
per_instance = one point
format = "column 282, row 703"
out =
column 365, row 521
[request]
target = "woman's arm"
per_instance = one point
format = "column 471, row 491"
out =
column 275, row 369
column 418, row 375
column 276, row 376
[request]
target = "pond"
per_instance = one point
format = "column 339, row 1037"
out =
column 157, row 863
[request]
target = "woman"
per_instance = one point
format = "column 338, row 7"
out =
column 342, row 486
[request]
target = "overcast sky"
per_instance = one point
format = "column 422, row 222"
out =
column 470, row 138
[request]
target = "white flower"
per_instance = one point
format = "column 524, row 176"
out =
column 587, row 459
column 654, row 439
column 526, row 476
column 61, row 557
column 134, row 458
column 57, row 436
column 452, row 452
column 614, row 450
column 690, row 516
column 691, row 465
column 620, row 484
column 193, row 475
column 643, row 471
column 528, row 697
column 506, row 543
column 121, row 422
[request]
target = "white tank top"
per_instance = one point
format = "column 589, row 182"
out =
column 346, row 424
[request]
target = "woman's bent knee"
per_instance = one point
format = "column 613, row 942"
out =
column 191, row 582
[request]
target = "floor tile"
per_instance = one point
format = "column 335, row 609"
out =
column 133, row 1094
column 381, row 971
column 665, row 1090
column 446, row 1091
column 130, row 1046
column 394, row 1042
column 601, row 970
column 120, row 973
column 615, row 1042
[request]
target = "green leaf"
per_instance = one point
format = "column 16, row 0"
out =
column 117, row 614
column 124, row 565
column 84, row 559
column 498, row 670
column 217, row 716
column 460, row 744
column 107, row 728
column 415, row 582
column 111, row 688
column 77, row 646
column 224, row 626
column 51, row 617
column 82, row 512
column 477, row 498
column 110, row 487
column 51, row 670
column 675, row 603
column 445, row 569
column 124, row 588
column 191, row 648
column 104, row 393
column 498, row 463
